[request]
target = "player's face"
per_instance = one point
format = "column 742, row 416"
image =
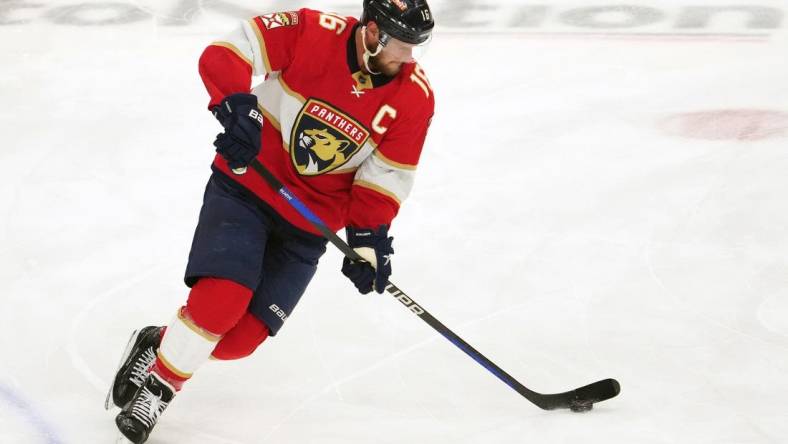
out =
column 392, row 57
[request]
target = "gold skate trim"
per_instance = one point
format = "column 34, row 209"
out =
column 172, row 368
column 208, row 336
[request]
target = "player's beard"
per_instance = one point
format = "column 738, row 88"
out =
column 390, row 69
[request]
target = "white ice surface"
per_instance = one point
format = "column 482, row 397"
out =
column 553, row 225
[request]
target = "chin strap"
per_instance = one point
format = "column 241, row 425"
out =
column 367, row 53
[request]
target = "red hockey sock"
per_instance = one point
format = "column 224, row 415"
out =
column 242, row 339
column 216, row 305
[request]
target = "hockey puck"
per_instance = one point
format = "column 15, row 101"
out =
column 581, row 406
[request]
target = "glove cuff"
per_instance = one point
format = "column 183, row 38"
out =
column 232, row 104
column 240, row 99
column 365, row 237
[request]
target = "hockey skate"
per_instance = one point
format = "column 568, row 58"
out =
column 138, row 358
column 139, row 416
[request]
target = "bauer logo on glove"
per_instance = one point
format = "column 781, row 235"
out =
column 254, row 114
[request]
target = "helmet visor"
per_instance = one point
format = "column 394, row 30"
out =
column 404, row 51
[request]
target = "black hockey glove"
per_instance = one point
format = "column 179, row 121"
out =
column 375, row 248
column 243, row 123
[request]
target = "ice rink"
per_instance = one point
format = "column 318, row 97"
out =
column 602, row 194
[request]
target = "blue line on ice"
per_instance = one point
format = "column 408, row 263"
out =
column 9, row 396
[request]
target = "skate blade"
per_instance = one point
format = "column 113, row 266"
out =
column 108, row 400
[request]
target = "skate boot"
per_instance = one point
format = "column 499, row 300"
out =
column 135, row 365
column 140, row 415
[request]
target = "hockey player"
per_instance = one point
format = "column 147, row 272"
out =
column 340, row 119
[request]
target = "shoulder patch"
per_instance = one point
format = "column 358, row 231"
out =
column 279, row 19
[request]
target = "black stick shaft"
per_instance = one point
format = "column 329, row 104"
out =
column 598, row 391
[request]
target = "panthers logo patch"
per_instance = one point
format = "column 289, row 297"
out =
column 324, row 138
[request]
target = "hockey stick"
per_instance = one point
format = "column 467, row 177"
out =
column 578, row 400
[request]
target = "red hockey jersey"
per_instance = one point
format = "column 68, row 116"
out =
column 345, row 143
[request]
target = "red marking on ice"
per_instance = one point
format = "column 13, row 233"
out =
column 730, row 124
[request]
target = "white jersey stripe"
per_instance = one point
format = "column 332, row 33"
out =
column 385, row 179
column 252, row 34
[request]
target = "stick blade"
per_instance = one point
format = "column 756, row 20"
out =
column 581, row 399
